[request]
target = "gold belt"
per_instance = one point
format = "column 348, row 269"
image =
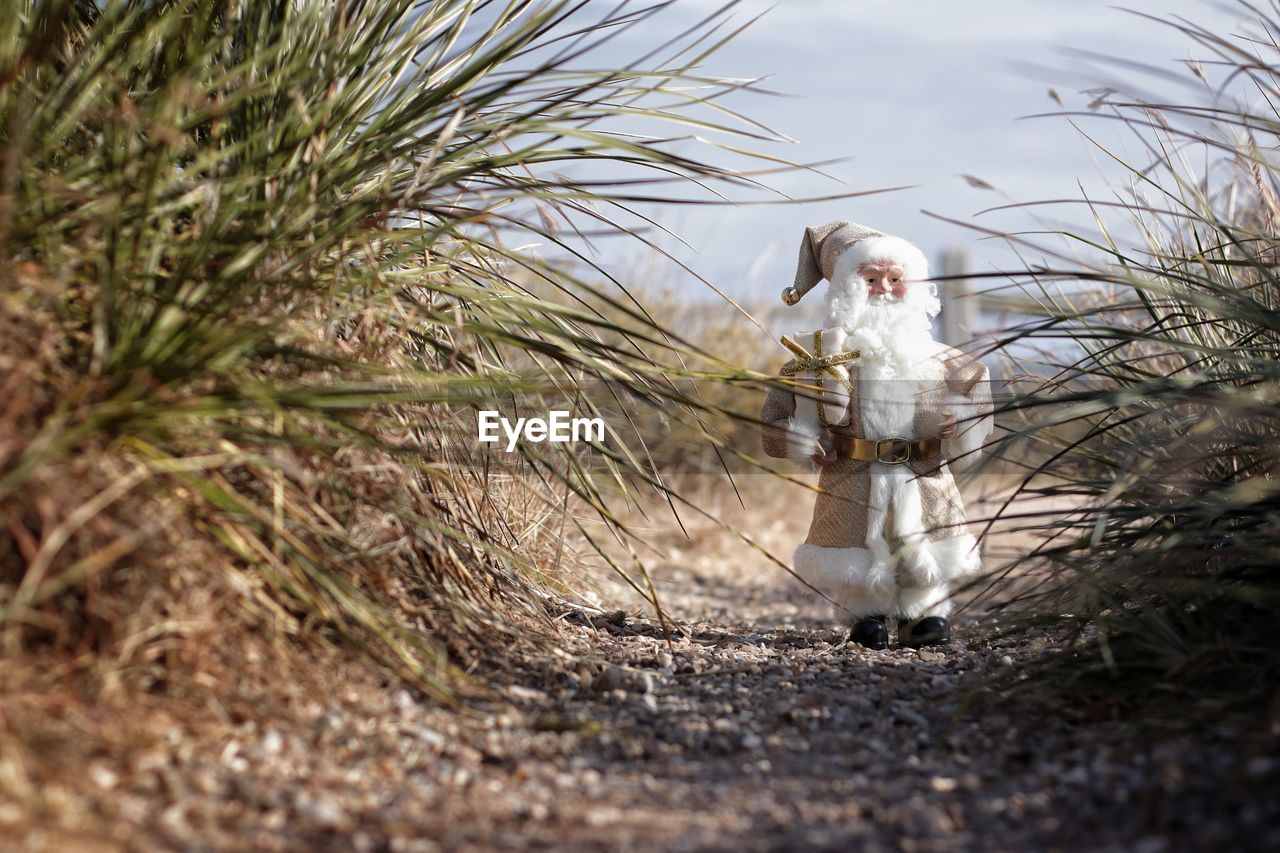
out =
column 889, row 451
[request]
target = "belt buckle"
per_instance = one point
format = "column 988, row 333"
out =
column 901, row 450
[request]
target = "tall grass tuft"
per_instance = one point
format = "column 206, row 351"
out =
column 1157, row 419
column 261, row 264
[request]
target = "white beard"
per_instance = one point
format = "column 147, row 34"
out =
column 897, row 364
column 897, row 346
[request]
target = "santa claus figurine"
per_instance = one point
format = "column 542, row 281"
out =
column 885, row 412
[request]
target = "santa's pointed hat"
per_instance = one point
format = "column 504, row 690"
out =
column 821, row 245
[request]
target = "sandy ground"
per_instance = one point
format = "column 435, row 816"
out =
column 756, row 728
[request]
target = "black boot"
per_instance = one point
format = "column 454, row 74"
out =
column 929, row 631
column 872, row 632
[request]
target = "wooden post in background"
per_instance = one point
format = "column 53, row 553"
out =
column 959, row 307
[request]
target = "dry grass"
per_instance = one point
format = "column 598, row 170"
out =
column 258, row 276
column 1157, row 420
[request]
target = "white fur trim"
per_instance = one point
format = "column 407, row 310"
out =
column 831, row 570
column 914, row 602
column 802, row 440
column 845, row 576
column 897, row 486
column 858, row 602
column 841, row 575
column 895, row 250
column 958, row 556
column 877, row 512
column 846, row 294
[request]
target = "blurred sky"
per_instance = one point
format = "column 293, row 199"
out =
column 916, row 93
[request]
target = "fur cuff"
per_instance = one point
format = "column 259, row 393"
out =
column 831, row 570
column 859, row 602
column 914, row 602
column 958, row 556
column 802, row 441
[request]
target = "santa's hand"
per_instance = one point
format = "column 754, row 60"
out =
column 823, row 456
column 947, row 425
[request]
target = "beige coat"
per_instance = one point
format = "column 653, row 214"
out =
column 870, row 518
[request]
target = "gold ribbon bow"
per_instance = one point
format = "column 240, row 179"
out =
column 819, row 364
column 816, row 362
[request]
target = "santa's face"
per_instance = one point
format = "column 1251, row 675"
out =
column 883, row 280
column 880, row 288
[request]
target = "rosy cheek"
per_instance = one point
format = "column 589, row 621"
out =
column 899, row 289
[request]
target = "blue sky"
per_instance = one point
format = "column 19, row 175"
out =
column 914, row 93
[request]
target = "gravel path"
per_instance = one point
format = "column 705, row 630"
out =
column 762, row 732
column 758, row 728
